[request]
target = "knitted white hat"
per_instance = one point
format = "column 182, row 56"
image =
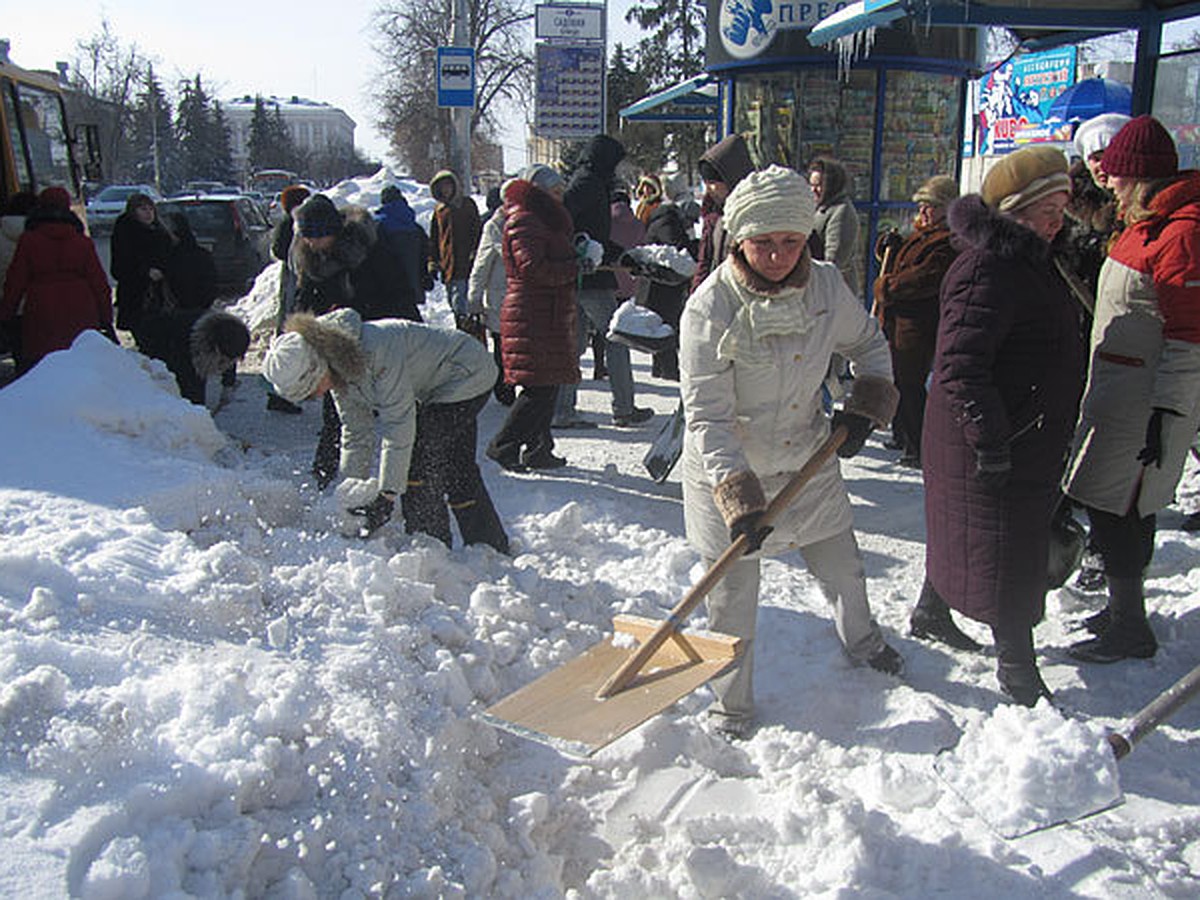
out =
column 775, row 199
column 1096, row 132
column 293, row 367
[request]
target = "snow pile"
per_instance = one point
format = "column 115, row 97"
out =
column 1029, row 768
column 639, row 327
column 206, row 690
column 668, row 257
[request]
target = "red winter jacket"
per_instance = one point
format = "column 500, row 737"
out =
column 538, row 317
column 56, row 272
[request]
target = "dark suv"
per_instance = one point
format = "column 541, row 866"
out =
column 234, row 230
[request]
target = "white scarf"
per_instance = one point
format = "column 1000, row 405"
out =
column 760, row 317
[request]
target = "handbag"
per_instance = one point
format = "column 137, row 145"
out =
column 1068, row 539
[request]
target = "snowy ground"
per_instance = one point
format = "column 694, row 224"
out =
column 208, row 691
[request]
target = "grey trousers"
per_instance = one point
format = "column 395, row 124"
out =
column 599, row 306
column 733, row 609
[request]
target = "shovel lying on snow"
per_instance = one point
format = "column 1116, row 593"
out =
column 1045, row 812
column 590, row 701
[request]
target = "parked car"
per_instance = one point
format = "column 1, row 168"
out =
column 234, row 230
column 106, row 206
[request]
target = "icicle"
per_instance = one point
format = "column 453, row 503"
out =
column 851, row 46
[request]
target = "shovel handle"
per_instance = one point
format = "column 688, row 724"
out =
column 1155, row 713
column 629, row 669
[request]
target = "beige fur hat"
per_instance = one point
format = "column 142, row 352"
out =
column 940, row 190
column 775, row 199
column 293, row 367
column 1024, row 177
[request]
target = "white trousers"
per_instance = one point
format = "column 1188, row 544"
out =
column 733, row 609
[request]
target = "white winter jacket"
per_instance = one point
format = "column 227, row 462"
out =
column 766, row 416
column 488, row 281
column 407, row 364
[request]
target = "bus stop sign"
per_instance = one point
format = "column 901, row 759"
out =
column 456, row 77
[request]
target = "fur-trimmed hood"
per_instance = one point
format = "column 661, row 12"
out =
column 350, row 247
column 334, row 337
column 446, row 175
column 975, row 225
column 525, row 196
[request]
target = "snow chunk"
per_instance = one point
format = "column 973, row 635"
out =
column 1031, row 768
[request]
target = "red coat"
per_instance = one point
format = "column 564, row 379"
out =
column 57, row 273
column 538, row 317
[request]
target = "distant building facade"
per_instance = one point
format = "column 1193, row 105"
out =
column 317, row 129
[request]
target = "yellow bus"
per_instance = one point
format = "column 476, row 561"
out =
column 39, row 149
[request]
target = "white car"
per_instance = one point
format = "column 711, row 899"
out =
column 106, row 206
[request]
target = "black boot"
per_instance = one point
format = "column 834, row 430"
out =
column 1016, row 664
column 1128, row 634
column 931, row 621
column 1097, row 622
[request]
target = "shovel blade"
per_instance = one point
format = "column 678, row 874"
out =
column 1028, row 818
column 561, row 709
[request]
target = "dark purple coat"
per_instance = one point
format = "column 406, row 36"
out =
column 1008, row 369
column 537, row 318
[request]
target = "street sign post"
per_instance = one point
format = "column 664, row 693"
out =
column 456, row 77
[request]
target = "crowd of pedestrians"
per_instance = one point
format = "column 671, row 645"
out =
column 1032, row 347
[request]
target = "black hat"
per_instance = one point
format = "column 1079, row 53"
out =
column 317, row 217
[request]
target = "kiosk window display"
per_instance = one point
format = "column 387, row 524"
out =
column 893, row 117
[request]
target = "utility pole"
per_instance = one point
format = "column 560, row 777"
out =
column 460, row 117
column 151, row 85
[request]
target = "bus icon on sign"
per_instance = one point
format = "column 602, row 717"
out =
column 451, row 71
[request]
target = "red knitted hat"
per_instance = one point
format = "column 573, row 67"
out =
column 1142, row 149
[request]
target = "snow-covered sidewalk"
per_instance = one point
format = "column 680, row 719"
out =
column 208, row 691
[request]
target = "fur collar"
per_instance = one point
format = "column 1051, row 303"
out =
column 756, row 284
column 976, row 226
column 349, row 250
column 335, row 338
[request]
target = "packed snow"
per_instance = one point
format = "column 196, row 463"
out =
column 209, row 691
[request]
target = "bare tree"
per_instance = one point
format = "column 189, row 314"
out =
column 107, row 76
column 410, row 33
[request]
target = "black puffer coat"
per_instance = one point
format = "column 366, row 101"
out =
column 1007, row 370
column 588, row 200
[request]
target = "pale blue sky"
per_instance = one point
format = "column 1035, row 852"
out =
column 318, row 50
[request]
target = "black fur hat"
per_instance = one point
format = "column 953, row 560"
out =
column 219, row 339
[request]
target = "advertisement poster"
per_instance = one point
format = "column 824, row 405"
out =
column 1015, row 99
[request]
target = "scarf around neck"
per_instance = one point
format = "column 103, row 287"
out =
column 761, row 315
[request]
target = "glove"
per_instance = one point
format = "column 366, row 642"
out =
column 375, row 514
column 857, row 428
column 992, row 468
column 749, row 526
column 1152, row 452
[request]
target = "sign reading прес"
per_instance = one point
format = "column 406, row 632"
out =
column 569, row 22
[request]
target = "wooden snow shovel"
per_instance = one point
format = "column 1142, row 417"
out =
column 1120, row 742
column 590, row 701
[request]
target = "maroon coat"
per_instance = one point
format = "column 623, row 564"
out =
column 907, row 299
column 538, row 316
column 56, row 271
column 1007, row 370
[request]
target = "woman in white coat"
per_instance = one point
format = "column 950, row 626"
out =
column 755, row 342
